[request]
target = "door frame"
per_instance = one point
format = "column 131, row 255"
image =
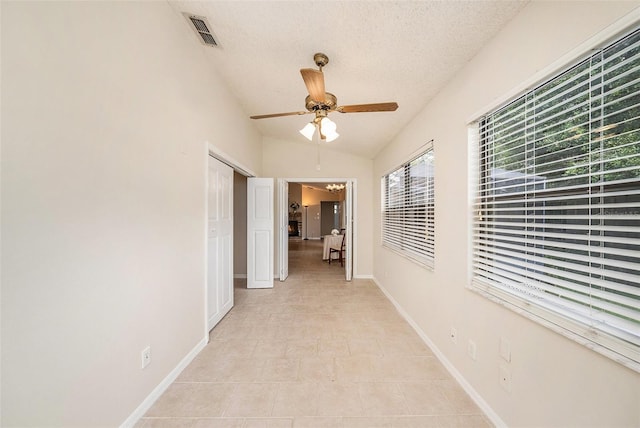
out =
column 282, row 227
column 216, row 153
column 352, row 225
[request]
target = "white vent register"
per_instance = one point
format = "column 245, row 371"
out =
column 202, row 28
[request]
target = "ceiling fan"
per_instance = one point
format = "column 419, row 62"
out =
column 322, row 103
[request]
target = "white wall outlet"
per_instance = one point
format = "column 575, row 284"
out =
column 453, row 334
column 505, row 377
column 505, row 349
column 146, row 356
column 471, row 349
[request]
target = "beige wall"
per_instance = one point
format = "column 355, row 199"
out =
column 106, row 107
column 278, row 162
column 311, row 222
column 311, row 196
column 555, row 381
column 295, row 195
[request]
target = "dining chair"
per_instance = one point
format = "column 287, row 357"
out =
column 340, row 251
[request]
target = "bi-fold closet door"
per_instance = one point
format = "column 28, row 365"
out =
column 219, row 241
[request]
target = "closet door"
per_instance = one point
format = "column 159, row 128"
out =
column 219, row 241
column 260, row 232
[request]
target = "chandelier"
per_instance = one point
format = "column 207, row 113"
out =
column 335, row 187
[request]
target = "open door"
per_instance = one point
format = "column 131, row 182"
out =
column 260, row 232
column 348, row 267
column 219, row 241
column 283, row 223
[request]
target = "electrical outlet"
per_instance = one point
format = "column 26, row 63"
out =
column 505, row 377
column 453, row 334
column 146, row 356
column 471, row 349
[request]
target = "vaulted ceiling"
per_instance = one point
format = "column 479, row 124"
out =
column 379, row 51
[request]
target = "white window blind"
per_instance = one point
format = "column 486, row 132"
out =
column 408, row 209
column 557, row 228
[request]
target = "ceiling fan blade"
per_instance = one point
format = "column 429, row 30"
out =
column 267, row 116
column 361, row 108
column 314, row 80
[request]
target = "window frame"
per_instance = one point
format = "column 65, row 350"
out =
column 586, row 333
column 408, row 215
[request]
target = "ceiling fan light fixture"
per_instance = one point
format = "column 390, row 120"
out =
column 308, row 130
column 331, row 136
column 327, row 129
column 328, row 126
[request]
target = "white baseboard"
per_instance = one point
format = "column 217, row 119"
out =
column 477, row 398
column 365, row 277
column 162, row 387
column 240, row 275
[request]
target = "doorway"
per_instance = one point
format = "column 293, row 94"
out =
column 225, row 184
column 304, row 205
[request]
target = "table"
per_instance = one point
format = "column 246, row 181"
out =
column 331, row 241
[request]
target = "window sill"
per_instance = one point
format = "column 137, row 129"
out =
column 427, row 264
column 553, row 321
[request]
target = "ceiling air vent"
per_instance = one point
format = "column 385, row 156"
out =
column 201, row 26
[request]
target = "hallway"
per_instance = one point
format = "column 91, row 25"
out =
column 314, row 351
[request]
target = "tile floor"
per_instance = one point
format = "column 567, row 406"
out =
column 314, row 351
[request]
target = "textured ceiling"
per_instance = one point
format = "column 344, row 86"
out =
column 378, row 51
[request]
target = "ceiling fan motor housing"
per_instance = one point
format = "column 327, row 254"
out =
column 330, row 103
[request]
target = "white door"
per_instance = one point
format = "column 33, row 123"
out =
column 349, row 231
column 260, row 232
column 283, row 210
column 219, row 241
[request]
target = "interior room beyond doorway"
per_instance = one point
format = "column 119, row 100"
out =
column 314, row 211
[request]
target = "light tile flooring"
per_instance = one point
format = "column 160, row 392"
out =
column 314, row 351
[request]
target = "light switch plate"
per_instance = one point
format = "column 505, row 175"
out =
column 505, row 349
column 472, row 350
